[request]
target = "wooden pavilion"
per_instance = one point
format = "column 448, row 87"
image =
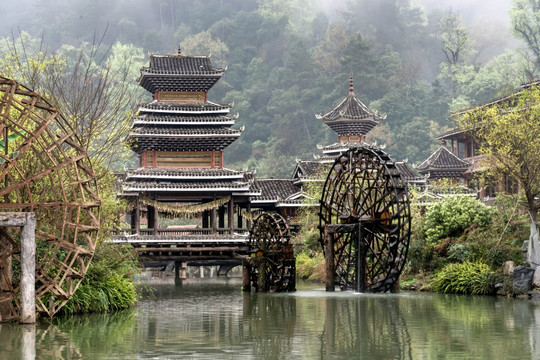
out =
column 179, row 138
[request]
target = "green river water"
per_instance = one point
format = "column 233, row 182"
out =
column 213, row 319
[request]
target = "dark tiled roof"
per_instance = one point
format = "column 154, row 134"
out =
column 276, row 189
column 198, row 142
column 185, row 186
column 312, row 168
column 194, row 107
column 409, row 173
column 179, row 73
column 349, row 127
column 184, row 131
column 351, row 108
column 176, row 119
column 181, row 65
column 443, row 163
column 336, row 149
column 185, row 173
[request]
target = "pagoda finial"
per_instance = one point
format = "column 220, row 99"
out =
column 179, row 51
column 351, row 85
column 443, row 143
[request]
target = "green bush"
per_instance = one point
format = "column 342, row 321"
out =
column 310, row 267
column 466, row 278
column 452, row 215
column 460, row 252
column 108, row 284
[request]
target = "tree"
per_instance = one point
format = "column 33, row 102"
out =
column 456, row 46
column 508, row 133
column 525, row 18
column 91, row 87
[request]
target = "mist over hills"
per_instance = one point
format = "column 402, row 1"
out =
column 290, row 59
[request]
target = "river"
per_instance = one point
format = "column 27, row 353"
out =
column 213, row 319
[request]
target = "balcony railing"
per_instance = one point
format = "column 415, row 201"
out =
column 178, row 232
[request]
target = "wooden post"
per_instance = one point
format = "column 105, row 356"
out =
column 184, row 267
column 137, row 220
column 205, row 217
column 248, row 222
column 230, row 219
column 360, row 261
column 221, row 217
column 27, row 223
column 28, row 270
column 329, row 260
column 213, row 220
column 240, row 222
column 152, row 219
column 246, row 283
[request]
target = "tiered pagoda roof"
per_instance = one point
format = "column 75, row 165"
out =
column 188, row 180
column 351, row 116
column 180, row 135
column 443, row 164
column 195, row 72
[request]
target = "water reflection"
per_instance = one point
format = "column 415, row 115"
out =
column 215, row 320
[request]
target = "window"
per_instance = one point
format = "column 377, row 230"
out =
column 461, row 150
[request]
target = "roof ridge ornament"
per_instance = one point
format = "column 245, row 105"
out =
column 351, row 85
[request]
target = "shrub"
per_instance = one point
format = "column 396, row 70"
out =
column 466, row 278
column 459, row 252
column 451, row 216
column 310, row 267
column 108, row 284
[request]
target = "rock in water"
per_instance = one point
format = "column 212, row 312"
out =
column 536, row 277
column 523, row 277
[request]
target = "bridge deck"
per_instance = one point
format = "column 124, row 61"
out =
column 187, row 247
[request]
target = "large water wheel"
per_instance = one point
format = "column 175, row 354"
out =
column 45, row 170
column 364, row 221
column 271, row 267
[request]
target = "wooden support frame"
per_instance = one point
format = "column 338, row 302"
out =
column 45, row 170
column 27, row 301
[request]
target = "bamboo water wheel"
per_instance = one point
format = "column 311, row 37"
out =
column 364, row 221
column 45, row 170
column 272, row 266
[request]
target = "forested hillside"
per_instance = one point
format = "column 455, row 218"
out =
column 291, row 59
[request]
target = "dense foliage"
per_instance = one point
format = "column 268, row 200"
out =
column 108, row 284
column 450, row 217
column 464, row 278
column 460, row 229
column 290, row 59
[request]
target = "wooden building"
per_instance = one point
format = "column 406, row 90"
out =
column 180, row 137
column 443, row 164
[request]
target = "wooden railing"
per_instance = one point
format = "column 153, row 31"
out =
column 178, row 232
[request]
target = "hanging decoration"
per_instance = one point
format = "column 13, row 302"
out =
column 184, row 209
column 250, row 215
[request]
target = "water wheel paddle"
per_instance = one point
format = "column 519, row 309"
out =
column 45, row 170
column 364, row 212
column 272, row 264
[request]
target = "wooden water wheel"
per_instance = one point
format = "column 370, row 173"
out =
column 271, row 267
column 45, row 170
column 364, row 221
